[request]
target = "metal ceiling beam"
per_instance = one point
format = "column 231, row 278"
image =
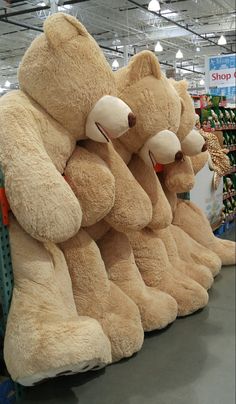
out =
column 102, row 47
column 33, row 9
column 19, row 24
column 162, row 63
column 185, row 27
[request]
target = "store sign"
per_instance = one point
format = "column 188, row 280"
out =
column 224, row 78
column 221, row 76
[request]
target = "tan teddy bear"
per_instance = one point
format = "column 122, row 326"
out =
column 191, row 220
column 66, row 90
column 179, row 177
column 106, row 281
column 152, row 141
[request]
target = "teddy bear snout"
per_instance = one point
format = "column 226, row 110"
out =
column 131, row 120
column 179, row 156
column 204, row 147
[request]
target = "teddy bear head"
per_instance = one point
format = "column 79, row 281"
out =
column 187, row 121
column 157, row 106
column 66, row 73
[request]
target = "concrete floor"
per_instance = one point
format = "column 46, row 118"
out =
column 191, row 362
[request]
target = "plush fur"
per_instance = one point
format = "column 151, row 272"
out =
column 96, row 296
column 45, row 337
column 113, row 263
column 187, row 120
column 152, row 97
column 65, row 83
column 179, row 177
column 193, row 221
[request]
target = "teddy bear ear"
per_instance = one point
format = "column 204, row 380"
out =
column 181, row 86
column 144, row 64
column 60, row 28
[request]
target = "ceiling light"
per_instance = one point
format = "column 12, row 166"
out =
column 210, row 35
column 1, row 90
column 198, row 49
column 154, row 5
column 115, row 64
column 179, row 55
column 7, row 84
column 222, row 40
column 169, row 13
column 158, row 47
column 202, row 82
column 116, row 42
column 65, row 7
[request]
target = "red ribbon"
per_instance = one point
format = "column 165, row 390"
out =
column 5, row 207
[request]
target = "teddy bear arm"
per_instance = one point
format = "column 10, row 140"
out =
column 92, row 183
column 39, row 197
column 147, row 178
column 132, row 208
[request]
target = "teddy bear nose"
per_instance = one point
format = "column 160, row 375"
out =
column 131, row 119
column 179, row 156
column 204, row 147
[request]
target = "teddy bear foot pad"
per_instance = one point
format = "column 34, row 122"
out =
column 69, row 370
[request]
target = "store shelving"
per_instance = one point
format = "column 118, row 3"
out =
column 216, row 117
column 9, row 391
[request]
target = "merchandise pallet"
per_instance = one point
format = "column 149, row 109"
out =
column 9, row 392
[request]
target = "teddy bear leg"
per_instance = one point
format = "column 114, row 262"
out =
column 99, row 298
column 156, row 270
column 45, row 337
column 191, row 250
column 157, row 309
column 193, row 221
column 198, row 272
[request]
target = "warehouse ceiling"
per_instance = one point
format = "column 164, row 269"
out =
column 124, row 27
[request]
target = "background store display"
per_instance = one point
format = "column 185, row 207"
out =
column 220, row 76
column 217, row 118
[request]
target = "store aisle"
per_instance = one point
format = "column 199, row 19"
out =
column 192, row 362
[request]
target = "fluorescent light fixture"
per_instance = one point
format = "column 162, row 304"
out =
column 158, row 47
column 154, row 5
column 210, row 35
column 65, row 7
column 202, row 82
column 169, row 13
column 198, row 49
column 42, row 4
column 222, row 40
column 179, row 55
column 115, row 64
column 7, row 84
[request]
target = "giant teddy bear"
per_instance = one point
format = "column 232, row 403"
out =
column 179, row 177
column 67, row 92
column 192, row 221
column 100, row 271
column 144, row 88
column 114, row 246
column 188, row 218
column 196, row 259
column 158, row 108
